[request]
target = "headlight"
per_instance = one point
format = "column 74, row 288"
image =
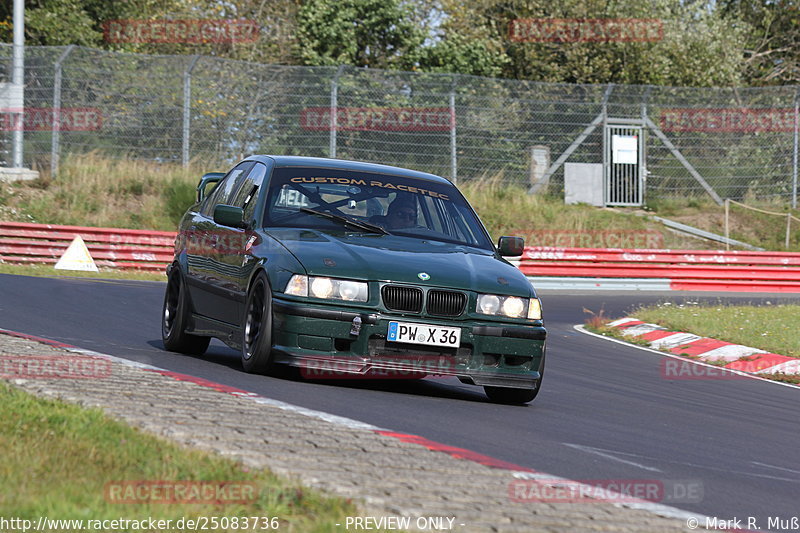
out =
column 510, row 306
column 353, row 290
column 321, row 287
column 513, row 306
column 488, row 304
column 327, row 288
column 534, row 309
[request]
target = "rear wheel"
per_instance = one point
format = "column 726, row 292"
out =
column 175, row 318
column 257, row 328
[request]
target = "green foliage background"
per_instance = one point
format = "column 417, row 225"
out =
column 705, row 43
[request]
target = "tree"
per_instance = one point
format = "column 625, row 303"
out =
column 698, row 46
column 274, row 43
column 53, row 22
column 62, row 22
column 772, row 51
column 363, row 33
column 81, row 22
column 464, row 50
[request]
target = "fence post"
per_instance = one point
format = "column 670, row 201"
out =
column 645, row 100
column 453, row 152
column 643, row 140
column 334, row 120
column 606, row 143
column 187, row 109
column 18, row 80
column 55, row 139
column 794, row 152
column 727, row 222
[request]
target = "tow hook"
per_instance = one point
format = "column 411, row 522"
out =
column 355, row 328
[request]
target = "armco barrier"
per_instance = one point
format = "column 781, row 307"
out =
column 110, row 247
column 742, row 271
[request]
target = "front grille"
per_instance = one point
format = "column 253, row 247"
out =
column 398, row 298
column 446, row 303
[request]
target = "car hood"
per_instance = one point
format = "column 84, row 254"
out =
column 402, row 259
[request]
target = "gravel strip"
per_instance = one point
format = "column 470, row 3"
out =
column 386, row 476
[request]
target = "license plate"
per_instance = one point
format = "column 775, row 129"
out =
column 424, row 334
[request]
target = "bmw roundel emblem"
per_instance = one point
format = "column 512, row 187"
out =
column 424, row 276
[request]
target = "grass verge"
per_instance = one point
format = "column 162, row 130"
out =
column 546, row 221
column 772, row 329
column 95, row 190
column 746, row 225
column 47, row 271
column 58, row 459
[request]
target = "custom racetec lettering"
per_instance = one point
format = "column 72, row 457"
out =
column 370, row 183
column 356, row 200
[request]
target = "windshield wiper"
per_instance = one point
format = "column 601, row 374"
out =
column 366, row 226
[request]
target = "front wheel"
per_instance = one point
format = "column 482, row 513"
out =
column 175, row 319
column 516, row 396
column 257, row 328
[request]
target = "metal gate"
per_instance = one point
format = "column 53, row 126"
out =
column 623, row 165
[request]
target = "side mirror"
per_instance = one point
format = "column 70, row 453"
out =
column 511, row 246
column 211, row 177
column 228, row 215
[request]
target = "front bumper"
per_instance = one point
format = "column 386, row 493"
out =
column 320, row 341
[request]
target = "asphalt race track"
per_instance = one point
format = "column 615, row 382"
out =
column 605, row 411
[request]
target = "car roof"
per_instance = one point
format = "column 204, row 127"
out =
column 343, row 164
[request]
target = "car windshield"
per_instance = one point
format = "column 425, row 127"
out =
column 371, row 203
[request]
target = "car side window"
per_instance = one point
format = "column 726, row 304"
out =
column 246, row 195
column 223, row 192
column 434, row 218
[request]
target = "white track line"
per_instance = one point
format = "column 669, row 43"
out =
column 609, row 455
column 651, row 507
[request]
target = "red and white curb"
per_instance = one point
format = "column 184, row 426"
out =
column 735, row 356
column 517, row 471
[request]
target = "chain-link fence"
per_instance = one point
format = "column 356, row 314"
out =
column 726, row 143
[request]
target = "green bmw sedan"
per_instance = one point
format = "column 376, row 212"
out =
column 344, row 269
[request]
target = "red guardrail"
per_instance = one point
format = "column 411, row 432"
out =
column 685, row 269
column 22, row 242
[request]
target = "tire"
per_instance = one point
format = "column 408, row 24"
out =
column 511, row 396
column 175, row 316
column 257, row 354
column 516, row 396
